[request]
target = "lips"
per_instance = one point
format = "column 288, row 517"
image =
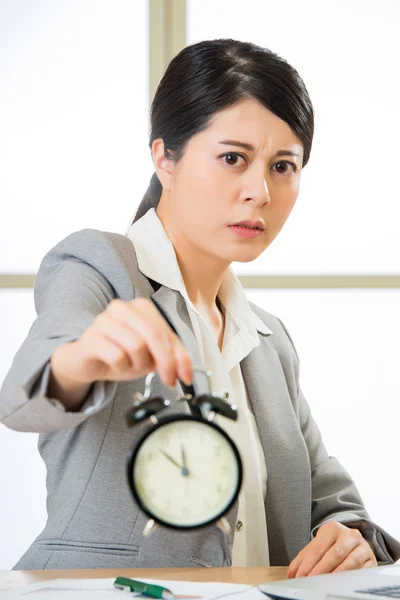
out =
column 259, row 225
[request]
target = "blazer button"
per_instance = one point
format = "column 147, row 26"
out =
column 239, row 525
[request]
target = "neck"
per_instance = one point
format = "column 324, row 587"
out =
column 201, row 273
column 202, row 278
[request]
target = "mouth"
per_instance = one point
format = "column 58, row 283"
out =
column 257, row 225
column 248, row 229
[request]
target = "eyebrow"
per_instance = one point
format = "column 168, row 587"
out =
column 251, row 148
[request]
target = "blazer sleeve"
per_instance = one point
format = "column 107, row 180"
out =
column 69, row 292
column 334, row 494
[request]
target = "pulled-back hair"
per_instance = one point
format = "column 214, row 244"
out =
column 209, row 76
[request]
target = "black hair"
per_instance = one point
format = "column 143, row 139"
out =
column 205, row 78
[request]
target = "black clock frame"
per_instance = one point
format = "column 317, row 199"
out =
column 132, row 455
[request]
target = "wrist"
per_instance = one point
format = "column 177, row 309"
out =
column 62, row 386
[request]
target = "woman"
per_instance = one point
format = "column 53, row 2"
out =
column 232, row 127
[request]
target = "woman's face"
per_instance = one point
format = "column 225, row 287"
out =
column 235, row 185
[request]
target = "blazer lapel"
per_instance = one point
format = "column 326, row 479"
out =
column 288, row 506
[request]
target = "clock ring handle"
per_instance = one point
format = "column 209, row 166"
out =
column 150, row 376
column 210, row 405
column 145, row 408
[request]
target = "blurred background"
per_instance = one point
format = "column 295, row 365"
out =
column 76, row 82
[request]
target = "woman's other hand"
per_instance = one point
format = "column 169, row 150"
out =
column 335, row 548
column 126, row 341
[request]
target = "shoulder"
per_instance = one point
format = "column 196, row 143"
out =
column 93, row 245
column 107, row 255
column 280, row 333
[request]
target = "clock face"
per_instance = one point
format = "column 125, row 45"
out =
column 185, row 472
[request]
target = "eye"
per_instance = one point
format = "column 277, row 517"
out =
column 232, row 158
column 284, row 167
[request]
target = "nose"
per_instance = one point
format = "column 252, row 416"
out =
column 258, row 191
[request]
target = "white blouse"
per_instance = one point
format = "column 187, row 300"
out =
column 157, row 260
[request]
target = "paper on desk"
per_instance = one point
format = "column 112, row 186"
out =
column 391, row 570
column 103, row 589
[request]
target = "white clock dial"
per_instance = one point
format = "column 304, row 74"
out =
column 186, row 473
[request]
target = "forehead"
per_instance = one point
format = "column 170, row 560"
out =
column 250, row 122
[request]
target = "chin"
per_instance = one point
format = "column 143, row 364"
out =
column 248, row 253
column 245, row 257
column 244, row 260
column 234, row 253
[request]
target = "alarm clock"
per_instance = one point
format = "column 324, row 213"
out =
column 185, row 472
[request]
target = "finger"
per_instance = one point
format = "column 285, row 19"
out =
column 183, row 361
column 370, row 564
column 344, row 547
column 313, row 552
column 294, row 565
column 112, row 358
column 141, row 361
column 161, row 341
column 306, row 559
column 143, row 318
column 182, row 364
column 360, row 558
column 163, row 355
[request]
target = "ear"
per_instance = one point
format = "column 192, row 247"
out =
column 164, row 166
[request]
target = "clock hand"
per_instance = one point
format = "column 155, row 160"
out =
column 172, row 460
column 185, row 471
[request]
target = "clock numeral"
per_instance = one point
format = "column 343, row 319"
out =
column 217, row 451
column 224, row 469
column 186, row 511
column 219, row 488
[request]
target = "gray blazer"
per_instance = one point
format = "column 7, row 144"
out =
column 93, row 521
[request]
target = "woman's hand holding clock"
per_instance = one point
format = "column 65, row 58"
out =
column 125, row 342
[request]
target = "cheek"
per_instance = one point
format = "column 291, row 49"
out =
column 202, row 192
column 209, row 179
column 285, row 200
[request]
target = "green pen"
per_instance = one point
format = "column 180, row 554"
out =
column 140, row 587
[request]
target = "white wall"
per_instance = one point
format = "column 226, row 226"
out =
column 73, row 121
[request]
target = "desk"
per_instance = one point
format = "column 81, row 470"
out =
column 250, row 575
